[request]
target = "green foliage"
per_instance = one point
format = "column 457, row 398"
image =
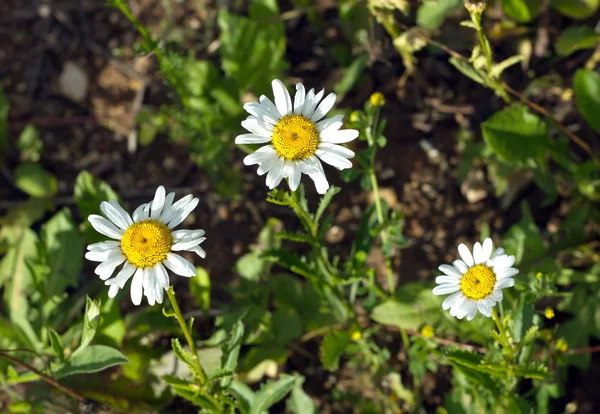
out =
column 576, row 38
column 522, row 10
column 92, row 359
column 515, row 135
column 577, row 9
column 432, row 13
column 587, row 95
column 34, row 180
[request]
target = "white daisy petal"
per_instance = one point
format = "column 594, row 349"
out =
column 339, row 137
column 504, row 273
column 266, row 166
column 261, row 111
column 137, row 288
column 324, row 107
column 460, row 266
column 257, row 126
column 140, row 213
column 488, row 246
column 450, row 271
column 275, row 175
column 309, row 104
column 329, row 125
column 449, row 301
column 499, row 252
column 283, row 101
column 148, row 285
column 484, row 309
column 179, row 265
column 102, row 255
column 299, row 99
column 472, row 311
column 333, row 159
column 187, row 244
column 116, row 214
column 107, row 267
column 269, row 106
column 182, row 213
column 199, row 251
column 465, row 254
column 105, row 227
column 113, row 290
column 252, row 139
column 179, row 235
column 445, row 289
column 295, row 177
column 167, row 208
column 158, row 203
column 478, row 253
column 105, row 245
column 260, row 155
column 123, row 276
column 447, row 279
column 503, row 261
column 505, row 283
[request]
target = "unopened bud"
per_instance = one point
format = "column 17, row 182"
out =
column 377, row 99
column 475, row 6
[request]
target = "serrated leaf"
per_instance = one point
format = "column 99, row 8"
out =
column 195, row 398
column 231, row 351
column 34, row 180
column 244, row 394
column 515, row 135
column 94, row 358
column 221, row 373
column 299, row 401
column 332, row 347
column 271, row 393
column 587, row 96
column 64, row 244
column 576, row 38
column 533, row 371
column 56, row 343
column 297, row 237
column 325, row 201
column 180, row 383
column 289, row 261
column 182, row 354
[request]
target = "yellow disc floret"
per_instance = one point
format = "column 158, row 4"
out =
column 295, row 137
column 478, row 282
column 146, row 243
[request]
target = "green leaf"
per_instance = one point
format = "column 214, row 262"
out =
column 94, row 358
column 183, row 355
column 31, row 178
column 56, row 343
column 190, row 392
column 325, row 201
column 287, row 326
column 351, row 76
column 200, row 288
column 299, row 401
column 576, row 38
column 432, row 13
column 333, row 347
column 253, row 48
column 244, row 394
column 64, row 244
column 468, row 70
column 111, row 330
column 29, row 144
column 402, row 315
column 515, row 135
column 587, row 96
column 522, row 11
column 271, row 393
column 577, row 9
column 231, row 351
column 89, row 192
column 90, row 324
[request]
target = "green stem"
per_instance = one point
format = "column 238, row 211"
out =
column 187, row 334
column 378, row 209
column 505, row 342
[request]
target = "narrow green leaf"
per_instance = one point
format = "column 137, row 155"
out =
column 271, row 393
column 325, row 201
column 90, row 324
column 587, row 96
column 231, row 351
column 468, row 70
column 182, row 354
column 94, row 358
column 56, row 343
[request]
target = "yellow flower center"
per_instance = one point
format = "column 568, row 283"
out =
column 478, row 282
column 295, row 137
column 146, row 243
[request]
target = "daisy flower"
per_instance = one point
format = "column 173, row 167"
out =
column 145, row 244
column 297, row 137
column 476, row 281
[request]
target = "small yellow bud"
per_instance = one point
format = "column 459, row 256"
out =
column 377, row 99
column 545, row 334
column 355, row 116
column 539, row 275
column 549, row 312
column 475, row 6
column 562, row 345
column 356, row 335
column 427, row 331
